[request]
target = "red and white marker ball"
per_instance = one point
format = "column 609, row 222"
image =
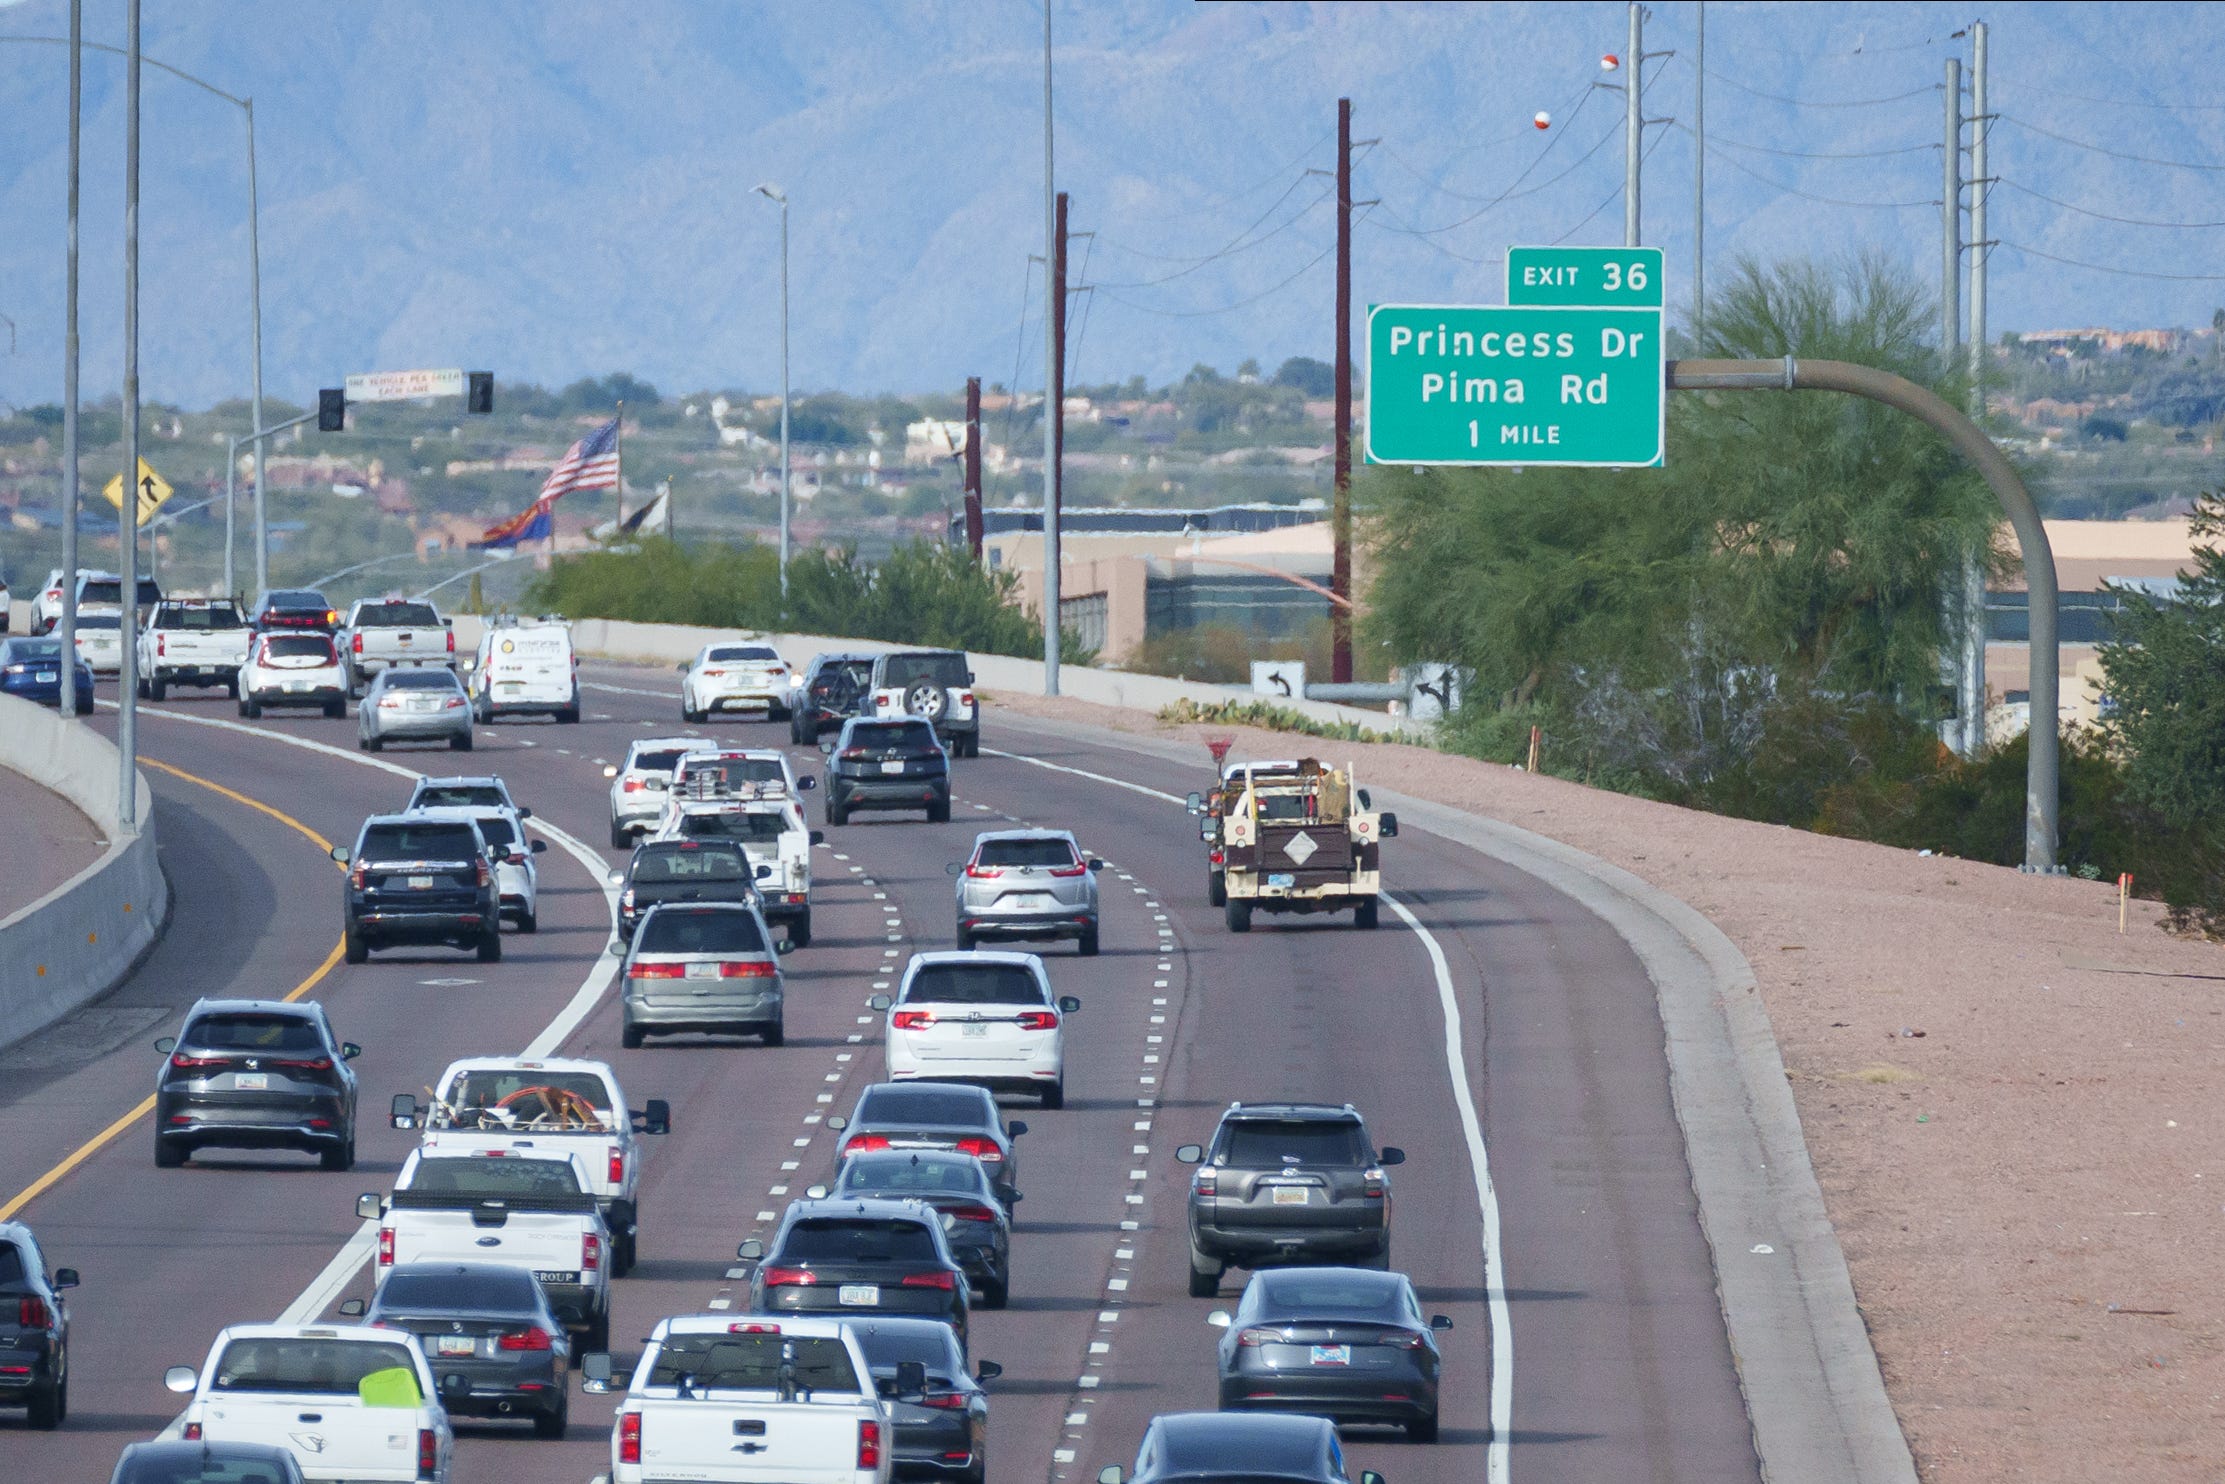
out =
column 1542, row 120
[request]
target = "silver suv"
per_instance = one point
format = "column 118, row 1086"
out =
column 1027, row 884
column 1287, row 1183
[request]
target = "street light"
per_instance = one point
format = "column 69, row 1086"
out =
column 773, row 194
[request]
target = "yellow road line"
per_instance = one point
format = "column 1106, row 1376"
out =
column 108, row 1135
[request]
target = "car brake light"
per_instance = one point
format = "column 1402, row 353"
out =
column 869, row 1445
column 965, row 698
column 451, row 641
column 307, row 1064
column 1079, row 868
column 162, row 644
column 940, row 1278
column 1252, row 1339
column 1220, row 857
column 617, row 1166
column 853, row 753
column 913, row 1020
column 534, row 1338
column 632, row 786
column 30, row 1312
column 193, row 1432
column 655, row 971
column 753, row 1329
column 746, row 971
column 356, row 644
column 972, row 1213
column 789, row 1277
column 945, row 1401
column 1038, row 1020
column 984, row 873
column 360, row 876
column 1207, row 1181
column 714, row 674
column 386, row 1246
column 629, row 1438
column 1402, row 1339
column 866, row 1142
column 590, row 1252
column 484, row 876
column 984, row 1150
column 180, row 1060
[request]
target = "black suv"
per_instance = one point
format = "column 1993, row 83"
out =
column 682, row 871
column 417, row 880
column 834, row 689
column 936, row 684
column 854, row 1257
column 256, row 1074
column 1287, row 1183
column 34, row 1330
column 887, row 765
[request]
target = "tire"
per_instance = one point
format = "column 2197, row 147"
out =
column 1205, row 1275
column 482, row 711
column 598, row 1332
column 1216, row 889
column 460, row 742
column 157, row 689
column 356, row 950
column 169, row 1154
column 84, row 703
column 1089, row 943
column 619, row 838
column 47, row 1406
column 1422, row 1429
column 1054, row 1096
column 965, row 941
column 550, row 1426
column 799, row 931
column 231, row 685
column 997, row 1294
column 490, row 946
column 338, row 1160
column 334, row 710
column 1367, row 915
column 689, row 714
column 629, row 1035
column 939, row 812
column 374, row 744
column 251, row 708
column 529, row 922
column 837, row 814
column 569, row 715
column 796, row 732
column 1239, row 915
column 973, row 744
column 776, row 1034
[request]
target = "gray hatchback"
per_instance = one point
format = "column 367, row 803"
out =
column 1287, row 1184
column 1028, row 884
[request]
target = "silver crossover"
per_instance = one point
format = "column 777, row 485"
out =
column 1027, row 884
column 425, row 705
column 701, row 966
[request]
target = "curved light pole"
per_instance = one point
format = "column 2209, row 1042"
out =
column 774, row 194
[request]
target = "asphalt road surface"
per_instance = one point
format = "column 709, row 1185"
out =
column 47, row 841
column 1607, row 1360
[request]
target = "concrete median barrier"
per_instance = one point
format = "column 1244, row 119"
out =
column 80, row 939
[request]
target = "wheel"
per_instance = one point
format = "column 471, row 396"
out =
column 374, row 744
column 490, row 946
column 157, row 689
column 1089, row 943
column 47, row 1406
column 231, row 685
column 340, row 1159
column 250, row 708
column 799, row 931
column 1380, row 1262
column 796, row 733
column 1367, row 914
column 84, row 703
column 776, row 1034
column 1205, row 1275
column 965, row 940
column 529, row 922
column 1239, row 915
column 356, row 950
column 1216, row 889
column 169, row 1154
column 619, row 837
column 568, row 715
column 460, row 742
column 550, row 1426
column 996, row 1292
column 482, row 710
column 973, row 744
column 1054, row 1096
column 836, row 813
column 625, row 1251
column 598, row 1332
column 629, row 1035
column 334, row 710
column 689, row 714
column 1422, row 1429
column 939, row 812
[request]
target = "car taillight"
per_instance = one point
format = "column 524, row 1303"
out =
column 965, row 698
column 1402, row 1339
column 790, row 1277
column 356, row 644
column 972, row 1213
column 1252, row 1339
column 309, row 1064
column 866, row 1142
column 1038, row 1020
column 941, row 1278
column 984, row 873
column 452, row 703
column 180, row 1060
column 1372, row 1184
column 626, row 899
column 1079, row 868
column 750, row 970
column 193, row 1432
column 428, row 1453
column 332, row 618
column 162, row 644
column 451, row 641
column 984, row 1150
column 869, row 1445
column 386, row 1246
column 912, row 1020
column 360, row 876
column 484, row 873
column 655, row 971
column 535, row 1338
column 945, row 1401
column 714, row 674
column 30, row 1312
column 590, row 1252
column 629, row 1438
column 853, row 753
column 617, row 1166
column 1220, row 857
column 632, row 786
column 1207, row 1181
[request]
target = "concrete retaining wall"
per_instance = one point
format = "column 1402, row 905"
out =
column 76, row 942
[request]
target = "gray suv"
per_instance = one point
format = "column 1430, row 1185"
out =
column 1287, row 1184
column 1027, row 884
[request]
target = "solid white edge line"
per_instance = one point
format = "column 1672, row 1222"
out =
column 1471, row 1128
column 356, row 1251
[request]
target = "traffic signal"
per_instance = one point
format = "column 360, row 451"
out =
column 332, row 409
column 480, row 396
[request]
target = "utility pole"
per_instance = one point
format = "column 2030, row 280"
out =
column 1054, row 294
column 1055, row 394
column 1699, row 173
column 1340, row 573
column 255, row 407
column 1950, row 224
column 1633, row 126
column 1973, row 680
column 127, row 528
column 69, row 377
column 973, row 466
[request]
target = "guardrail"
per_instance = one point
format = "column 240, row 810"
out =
column 79, row 940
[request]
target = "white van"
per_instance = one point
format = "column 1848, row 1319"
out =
column 525, row 668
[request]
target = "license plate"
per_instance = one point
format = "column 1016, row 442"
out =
column 1282, row 879
column 1332, row 1355
column 703, row 971
column 458, row 1345
column 564, row 1277
column 420, row 883
column 47, row 677
column 424, row 705
column 1290, row 1195
column 974, row 1030
column 859, row 1295
column 251, row 1081
column 892, row 767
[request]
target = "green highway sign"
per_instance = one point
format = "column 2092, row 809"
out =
column 1592, row 277
column 1523, row 384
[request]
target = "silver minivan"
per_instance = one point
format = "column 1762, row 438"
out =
column 1027, row 884
column 701, row 966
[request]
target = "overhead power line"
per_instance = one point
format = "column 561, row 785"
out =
column 1740, row 165
column 1308, row 266
column 1824, row 102
column 2055, row 92
column 2129, row 221
column 1236, row 244
column 1612, row 197
column 2119, row 272
column 1811, row 154
column 2010, row 118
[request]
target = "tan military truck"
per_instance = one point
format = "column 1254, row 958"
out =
column 1293, row 837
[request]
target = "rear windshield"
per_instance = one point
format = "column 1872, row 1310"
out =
column 1025, row 853
column 753, row 1362
column 735, row 824
column 659, row 760
column 942, row 669
column 1258, row 1141
column 328, row 1367
column 729, row 772
column 840, row 1239
column 520, row 1092
column 1321, row 1291
column 187, row 1463
column 457, row 796
column 494, row 1179
column 397, row 616
column 421, row 680
column 110, row 590
column 109, row 621
column 225, row 617
column 418, row 842
column 905, row 1174
column 297, row 646
column 503, row 1290
column 924, row 1105
column 35, row 649
column 974, row 984
column 296, row 598
column 252, row 1033
column 735, row 654
column 887, row 1351
column 893, row 736
column 669, row 931
column 497, row 831
column 694, row 863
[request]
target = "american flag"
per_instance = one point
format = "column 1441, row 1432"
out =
column 590, row 464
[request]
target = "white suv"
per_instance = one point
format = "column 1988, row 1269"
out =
column 517, row 879
column 735, row 677
column 639, row 785
column 984, row 1018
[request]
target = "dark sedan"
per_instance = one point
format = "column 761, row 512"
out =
column 887, row 765
column 1217, row 1448
column 31, row 670
column 1345, row 1343
column 682, row 871
column 205, row 1463
column 851, row 1258
column 34, row 1329
column 490, row 1324
column 293, row 608
column 933, row 1115
column 256, row 1074
column 975, row 1220
column 945, row 1433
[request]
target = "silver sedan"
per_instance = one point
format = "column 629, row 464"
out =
column 1027, row 884
column 427, row 705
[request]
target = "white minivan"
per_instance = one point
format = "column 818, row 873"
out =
column 526, row 668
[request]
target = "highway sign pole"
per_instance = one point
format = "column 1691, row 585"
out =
column 127, row 510
column 69, row 375
column 1340, row 496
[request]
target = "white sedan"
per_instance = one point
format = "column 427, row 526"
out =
column 979, row 1017
column 752, row 678
column 292, row 669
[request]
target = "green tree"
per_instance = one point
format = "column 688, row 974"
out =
column 1310, row 377
column 2164, row 673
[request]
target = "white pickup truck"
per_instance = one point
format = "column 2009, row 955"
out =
column 192, row 641
column 533, row 1213
column 489, row 1103
column 738, row 1400
column 348, row 1404
column 766, row 819
column 393, row 632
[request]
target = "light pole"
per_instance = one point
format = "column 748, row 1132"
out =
column 127, row 726
column 773, row 194
column 69, row 374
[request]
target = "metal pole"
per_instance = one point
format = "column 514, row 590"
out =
column 784, row 496
column 69, row 379
column 1699, row 173
column 255, row 325
column 1340, row 522
column 127, row 732
column 231, row 500
column 1973, row 575
column 1950, row 224
column 1051, row 574
column 2042, row 779
column 1054, row 400
column 973, row 466
column 1633, row 126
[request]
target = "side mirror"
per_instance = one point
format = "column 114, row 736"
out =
column 166, row 1045
column 181, row 1378
column 369, row 1206
column 1191, row 1154
column 525, row 814
column 617, row 950
column 1112, row 1473
column 988, row 1370
column 1369, row 1476
column 750, row 1250
column 617, row 878
column 837, row 1123
column 911, row 1377
column 1015, row 1198
column 763, row 872
column 1219, row 1319
column 827, row 748
column 65, row 1278
column 682, row 667
column 402, row 1113
column 610, row 770
column 806, row 784
column 540, row 847
column 353, row 1308
column 349, row 1051
column 656, row 1117
column 879, row 1002
column 447, row 623
column 340, row 854
column 1195, row 803
column 1439, row 1323
column 1386, row 827
column 1391, row 1155
column 621, row 1214
column 1362, row 795
column 1205, row 831
column 1068, row 1003
column 818, row 837
column 969, row 677
column 1015, row 1128
column 953, row 868
column 594, row 1370
column 815, row 1192
column 1096, row 865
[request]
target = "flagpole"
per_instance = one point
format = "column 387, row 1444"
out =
column 621, row 461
